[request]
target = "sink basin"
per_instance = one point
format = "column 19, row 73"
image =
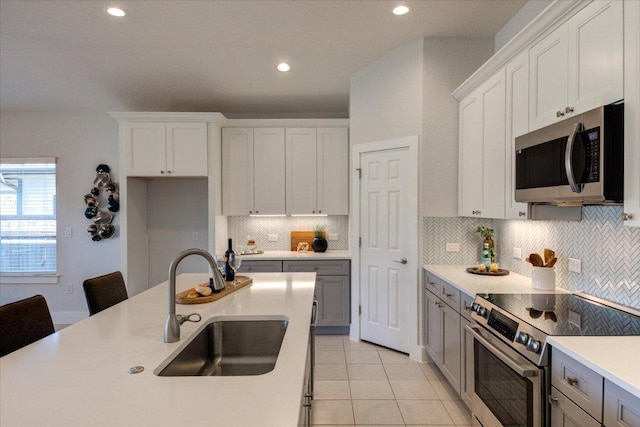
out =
column 228, row 347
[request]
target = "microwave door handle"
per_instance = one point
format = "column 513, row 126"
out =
column 568, row 156
column 523, row 371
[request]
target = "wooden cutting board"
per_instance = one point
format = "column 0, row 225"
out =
column 301, row 236
column 181, row 298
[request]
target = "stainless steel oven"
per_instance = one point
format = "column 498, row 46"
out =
column 508, row 390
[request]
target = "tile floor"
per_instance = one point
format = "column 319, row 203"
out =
column 358, row 383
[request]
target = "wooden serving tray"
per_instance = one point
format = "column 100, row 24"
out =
column 181, row 298
column 500, row 272
column 301, row 236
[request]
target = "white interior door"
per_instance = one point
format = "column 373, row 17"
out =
column 388, row 252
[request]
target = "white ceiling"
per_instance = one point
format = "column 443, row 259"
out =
column 212, row 55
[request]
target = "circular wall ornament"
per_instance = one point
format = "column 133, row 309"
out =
column 101, row 227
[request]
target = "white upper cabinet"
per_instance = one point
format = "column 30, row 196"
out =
column 517, row 122
column 268, row 171
column 317, row 171
column 333, row 170
column 578, row 66
column 301, row 171
column 172, row 149
column 253, row 171
column 632, row 114
column 481, row 191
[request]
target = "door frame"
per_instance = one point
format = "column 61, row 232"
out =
column 413, row 144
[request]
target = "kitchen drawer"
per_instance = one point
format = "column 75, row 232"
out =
column 565, row 413
column 621, row 408
column 262, row 266
column 433, row 283
column 577, row 382
column 451, row 296
column 465, row 305
column 324, row 267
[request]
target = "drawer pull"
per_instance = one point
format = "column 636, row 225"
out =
column 449, row 295
column 467, row 307
column 552, row 399
column 572, row 381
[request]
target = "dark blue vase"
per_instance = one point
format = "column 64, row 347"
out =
column 319, row 245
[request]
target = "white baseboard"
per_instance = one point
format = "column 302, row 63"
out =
column 419, row 354
column 68, row 317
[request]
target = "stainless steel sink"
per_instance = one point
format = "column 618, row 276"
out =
column 228, row 347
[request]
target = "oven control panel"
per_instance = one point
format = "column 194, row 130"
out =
column 518, row 334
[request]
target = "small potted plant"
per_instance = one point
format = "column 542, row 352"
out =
column 319, row 243
column 487, row 234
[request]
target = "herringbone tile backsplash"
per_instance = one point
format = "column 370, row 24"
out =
column 609, row 251
column 260, row 226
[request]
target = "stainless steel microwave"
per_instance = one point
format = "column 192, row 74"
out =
column 577, row 161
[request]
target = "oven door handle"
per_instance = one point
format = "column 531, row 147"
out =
column 523, row 371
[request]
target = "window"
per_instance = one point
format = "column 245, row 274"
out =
column 27, row 216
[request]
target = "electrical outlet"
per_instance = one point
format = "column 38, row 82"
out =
column 195, row 236
column 517, row 253
column 68, row 232
column 68, row 288
column 332, row 236
column 575, row 265
column 272, row 237
column 452, row 247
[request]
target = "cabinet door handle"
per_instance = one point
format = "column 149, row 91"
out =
column 162, row 172
column 467, row 307
column 627, row 216
column 559, row 114
column 572, row 381
column 552, row 399
column 568, row 110
column 521, row 213
column 449, row 295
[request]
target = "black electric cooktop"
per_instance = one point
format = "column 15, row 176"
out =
column 567, row 314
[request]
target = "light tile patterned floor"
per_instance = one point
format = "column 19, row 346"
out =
column 358, row 383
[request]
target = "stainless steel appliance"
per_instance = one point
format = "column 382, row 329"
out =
column 579, row 160
column 511, row 356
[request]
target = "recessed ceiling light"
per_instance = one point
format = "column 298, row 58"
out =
column 401, row 10
column 284, row 67
column 116, row 11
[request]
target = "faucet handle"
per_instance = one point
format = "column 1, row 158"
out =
column 188, row 318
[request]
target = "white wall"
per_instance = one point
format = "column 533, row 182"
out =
column 386, row 96
column 80, row 141
column 520, row 20
column 447, row 63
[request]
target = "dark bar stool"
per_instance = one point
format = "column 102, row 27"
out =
column 24, row 322
column 104, row 291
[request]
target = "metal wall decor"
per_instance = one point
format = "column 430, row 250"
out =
column 101, row 228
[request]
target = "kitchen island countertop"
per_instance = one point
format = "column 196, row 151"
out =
column 79, row 375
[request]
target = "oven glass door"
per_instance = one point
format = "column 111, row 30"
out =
column 508, row 389
column 506, row 394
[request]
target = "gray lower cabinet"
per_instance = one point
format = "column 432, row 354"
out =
column 565, row 413
column 621, row 408
column 260, row 266
column 333, row 291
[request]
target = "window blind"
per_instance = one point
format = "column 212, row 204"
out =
column 28, row 216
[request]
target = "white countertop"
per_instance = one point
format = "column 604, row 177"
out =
column 471, row 284
column 79, row 376
column 292, row 255
column 615, row 358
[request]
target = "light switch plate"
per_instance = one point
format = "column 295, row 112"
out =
column 332, row 236
column 452, row 247
column 272, row 237
column 517, row 253
column 575, row 265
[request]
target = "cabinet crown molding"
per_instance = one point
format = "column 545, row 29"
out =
column 150, row 116
column 287, row 123
column 554, row 15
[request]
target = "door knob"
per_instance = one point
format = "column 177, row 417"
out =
column 401, row 261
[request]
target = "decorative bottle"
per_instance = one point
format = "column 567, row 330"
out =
column 486, row 256
column 229, row 275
